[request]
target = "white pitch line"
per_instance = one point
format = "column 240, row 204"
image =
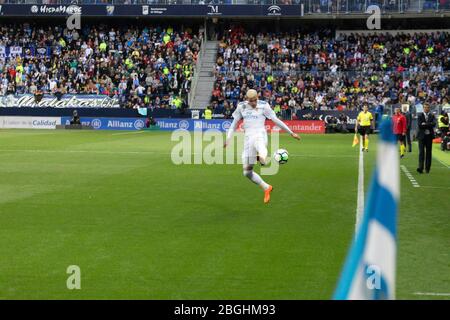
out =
column 79, row 151
column 436, row 187
column 432, row 294
column 410, row 177
column 360, row 199
column 321, row 155
column 444, row 164
column 148, row 152
column 132, row 132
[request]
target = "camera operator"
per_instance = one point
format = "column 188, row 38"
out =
column 332, row 125
column 343, row 123
column 75, row 118
column 443, row 124
column 150, row 122
column 445, row 146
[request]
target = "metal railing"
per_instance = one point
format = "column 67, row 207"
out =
column 329, row 74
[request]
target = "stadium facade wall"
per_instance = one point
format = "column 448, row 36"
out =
column 188, row 10
column 48, row 100
column 392, row 32
column 109, row 123
column 327, row 116
column 50, row 10
column 15, row 122
column 170, row 117
column 165, row 124
column 92, row 112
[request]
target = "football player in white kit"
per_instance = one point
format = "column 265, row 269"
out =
column 254, row 112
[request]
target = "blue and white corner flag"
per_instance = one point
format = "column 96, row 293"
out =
column 369, row 271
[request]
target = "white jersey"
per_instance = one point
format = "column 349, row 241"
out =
column 254, row 118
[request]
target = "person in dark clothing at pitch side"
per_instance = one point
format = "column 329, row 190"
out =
column 443, row 124
column 408, row 117
column 227, row 111
column 445, row 144
column 331, row 125
column 150, row 122
column 75, row 118
column 343, row 123
column 426, row 121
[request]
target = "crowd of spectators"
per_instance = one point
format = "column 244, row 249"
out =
column 319, row 71
column 140, row 66
column 152, row 66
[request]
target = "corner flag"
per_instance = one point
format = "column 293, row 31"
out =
column 355, row 140
column 369, row 271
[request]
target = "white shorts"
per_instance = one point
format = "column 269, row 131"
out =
column 254, row 145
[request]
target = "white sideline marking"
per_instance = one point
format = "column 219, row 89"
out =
column 80, row 151
column 360, row 199
column 132, row 132
column 151, row 152
column 322, row 155
column 444, row 164
column 436, row 187
column 432, row 294
column 410, row 177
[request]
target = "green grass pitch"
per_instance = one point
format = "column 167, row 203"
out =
column 140, row 227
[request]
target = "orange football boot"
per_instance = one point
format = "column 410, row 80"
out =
column 267, row 194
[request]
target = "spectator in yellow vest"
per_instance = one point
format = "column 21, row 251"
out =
column 129, row 63
column 177, row 102
column 102, row 46
column 277, row 110
column 208, row 113
column 166, row 38
column 19, row 68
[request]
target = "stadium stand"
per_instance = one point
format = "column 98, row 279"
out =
column 141, row 66
column 152, row 65
column 319, row 71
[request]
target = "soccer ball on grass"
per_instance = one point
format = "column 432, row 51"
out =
column 281, row 156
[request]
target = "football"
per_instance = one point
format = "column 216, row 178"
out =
column 281, row 156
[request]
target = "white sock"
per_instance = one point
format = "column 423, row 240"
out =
column 256, row 179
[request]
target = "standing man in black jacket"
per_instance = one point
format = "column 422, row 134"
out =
column 426, row 122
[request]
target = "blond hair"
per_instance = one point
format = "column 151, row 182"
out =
column 251, row 94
